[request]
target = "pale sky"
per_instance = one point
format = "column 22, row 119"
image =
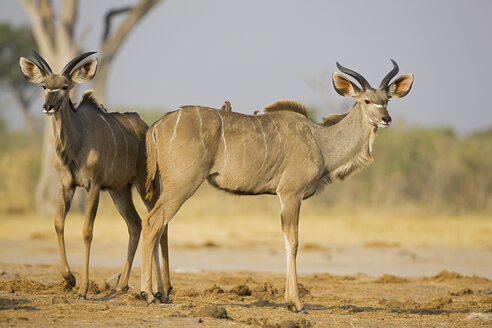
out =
column 252, row 52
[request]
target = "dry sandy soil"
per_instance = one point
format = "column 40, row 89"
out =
column 34, row 295
column 227, row 266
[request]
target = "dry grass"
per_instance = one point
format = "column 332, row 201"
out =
column 215, row 218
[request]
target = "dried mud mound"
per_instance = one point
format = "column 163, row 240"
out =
column 37, row 296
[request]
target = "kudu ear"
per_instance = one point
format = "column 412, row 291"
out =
column 85, row 72
column 401, row 86
column 31, row 71
column 343, row 86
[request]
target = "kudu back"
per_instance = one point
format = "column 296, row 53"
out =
column 279, row 152
column 94, row 149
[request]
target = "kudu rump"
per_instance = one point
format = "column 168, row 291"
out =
column 95, row 150
column 279, row 152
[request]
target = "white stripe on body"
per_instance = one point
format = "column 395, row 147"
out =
column 201, row 128
column 265, row 142
column 126, row 142
column 226, row 155
column 276, row 129
column 176, row 125
column 114, row 140
column 133, row 125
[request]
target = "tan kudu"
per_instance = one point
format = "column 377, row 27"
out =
column 96, row 150
column 279, row 152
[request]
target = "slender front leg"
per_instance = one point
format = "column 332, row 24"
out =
column 64, row 202
column 90, row 215
column 290, row 219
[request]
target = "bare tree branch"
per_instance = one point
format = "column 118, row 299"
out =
column 109, row 16
column 112, row 44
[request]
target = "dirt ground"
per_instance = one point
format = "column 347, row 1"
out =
column 228, row 264
column 36, row 296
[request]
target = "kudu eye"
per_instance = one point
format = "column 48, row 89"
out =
column 42, row 86
column 64, row 87
column 367, row 101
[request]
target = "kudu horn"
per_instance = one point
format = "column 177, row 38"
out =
column 389, row 76
column 363, row 82
column 44, row 65
column 67, row 70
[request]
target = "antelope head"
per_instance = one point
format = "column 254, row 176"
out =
column 372, row 101
column 56, row 87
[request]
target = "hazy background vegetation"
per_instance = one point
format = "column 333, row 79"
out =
column 428, row 170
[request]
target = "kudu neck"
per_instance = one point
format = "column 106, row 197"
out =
column 65, row 124
column 349, row 140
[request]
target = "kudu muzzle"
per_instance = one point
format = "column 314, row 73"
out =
column 51, row 104
column 385, row 118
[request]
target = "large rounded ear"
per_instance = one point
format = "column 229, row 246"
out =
column 343, row 86
column 31, row 72
column 401, row 86
column 85, row 72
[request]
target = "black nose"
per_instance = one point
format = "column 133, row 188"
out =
column 386, row 119
column 48, row 107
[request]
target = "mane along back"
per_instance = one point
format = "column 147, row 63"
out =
column 88, row 98
column 333, row 119
column 286, row 105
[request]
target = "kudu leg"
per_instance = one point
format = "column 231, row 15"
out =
column 123, row 200
column 151, row 228
column 90, row 215
column 64, row 202
column 166, row 279
column 157, row 286
column 155, row 224
column 290, row 220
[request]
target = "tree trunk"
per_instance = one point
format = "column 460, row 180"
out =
column 46, row 193
column 57, row 44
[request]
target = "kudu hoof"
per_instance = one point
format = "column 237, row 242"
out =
column 70, row 279
column 303, row 311
column 124, row 289
column 291, row 307
column 163, row 299
column 145, row 296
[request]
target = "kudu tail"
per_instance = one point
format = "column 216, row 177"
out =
column 151, row 185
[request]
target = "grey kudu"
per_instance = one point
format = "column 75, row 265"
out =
column 94, row 149
column 278, row 152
